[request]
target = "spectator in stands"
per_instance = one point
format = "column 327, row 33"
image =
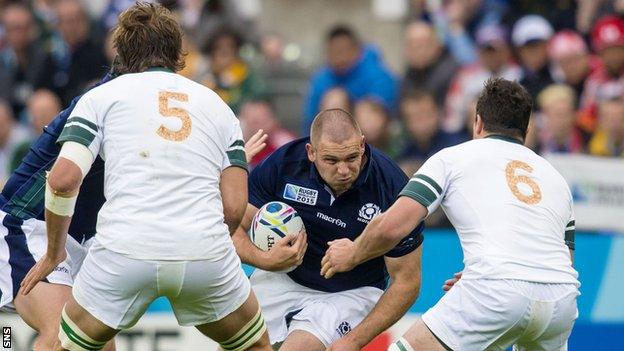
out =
column 559, row 132
column 608, row 42
column 429, row 64
column 12, row 135
column 571, row 60
column 83, row 61
column 24, row 64
column 336, row 98
column 376, row 125
column 608, row 139
column 260, row 114
column 494, row 60
column 530, row 37
column 42, row 107
column 459, row 21
column 230, row 76
column 356, row 67
column 421, row 116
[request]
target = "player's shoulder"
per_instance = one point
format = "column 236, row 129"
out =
column 385, row 167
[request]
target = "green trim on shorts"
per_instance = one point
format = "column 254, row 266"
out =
column 74, row 337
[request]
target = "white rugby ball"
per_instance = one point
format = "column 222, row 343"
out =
column 273, row 222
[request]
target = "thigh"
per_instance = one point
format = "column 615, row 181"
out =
column 478, row 315
column 420, row 337
column 22, row 243
column 113, row 288
column 82, row 328
column 243, row 329
column 302, row 340
column 209, row 291
column 280, row 299
column 555, row 335
column 330, row 316
column 41, row 308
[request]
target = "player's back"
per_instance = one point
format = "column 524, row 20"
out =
column 165, row 140
column 511, row 209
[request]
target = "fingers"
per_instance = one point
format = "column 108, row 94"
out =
column 31, row 279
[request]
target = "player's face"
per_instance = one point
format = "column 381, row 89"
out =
column 339, row 164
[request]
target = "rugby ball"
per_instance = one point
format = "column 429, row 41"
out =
column 273, row 222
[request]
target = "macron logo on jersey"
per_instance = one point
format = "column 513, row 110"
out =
column 300, row 194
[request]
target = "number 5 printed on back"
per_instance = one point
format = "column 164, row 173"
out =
column 174, row 112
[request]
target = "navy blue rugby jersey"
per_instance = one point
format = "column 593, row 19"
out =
column 288, row 176
column 23, row 194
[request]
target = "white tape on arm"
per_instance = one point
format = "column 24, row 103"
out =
column 81, row 157
column 62, row 206
column 78, row 154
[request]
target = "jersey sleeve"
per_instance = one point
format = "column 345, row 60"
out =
column 262, row 183
column 409, row 243
column 569, row 233
column 235, row 147
column 83, row 126
column 415, row 238
column 428, row 184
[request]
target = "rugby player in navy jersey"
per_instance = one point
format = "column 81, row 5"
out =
column 23, row 234
column 337, row 184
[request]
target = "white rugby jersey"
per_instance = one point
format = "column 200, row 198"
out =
column 511, row 209
column 165, row 140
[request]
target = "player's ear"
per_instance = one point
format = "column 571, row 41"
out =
column 310, row 151
column 478, row 127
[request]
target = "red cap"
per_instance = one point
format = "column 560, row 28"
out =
column 566, row 43
column 608, row 32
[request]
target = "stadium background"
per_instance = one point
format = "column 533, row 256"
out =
column 411, row 83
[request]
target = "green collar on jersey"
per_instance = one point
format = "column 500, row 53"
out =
column 159, row 69
column 505, row 138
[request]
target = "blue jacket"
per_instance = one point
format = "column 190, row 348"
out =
column 369, row 77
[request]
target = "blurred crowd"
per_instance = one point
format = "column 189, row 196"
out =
column 568, row 54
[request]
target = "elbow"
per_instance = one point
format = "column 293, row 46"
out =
column 64, row 183
column 233, row 217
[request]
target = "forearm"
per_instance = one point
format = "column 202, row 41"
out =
column 376, row 240
column 57, row 227
column 247, row 251
column 392, row 305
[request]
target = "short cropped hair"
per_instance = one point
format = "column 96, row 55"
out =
column 556, row 92
column 342, row 30
column 336, row 124
column 505, row 107
column 147, row 35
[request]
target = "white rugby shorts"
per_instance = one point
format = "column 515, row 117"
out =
column 22, row 243
column 288, row 306
column 117, row 289
column 495, row 314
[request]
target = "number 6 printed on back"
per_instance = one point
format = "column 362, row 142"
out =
column 513, row 180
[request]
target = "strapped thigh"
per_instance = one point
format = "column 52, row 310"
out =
column 247, row 335
column 74, row 339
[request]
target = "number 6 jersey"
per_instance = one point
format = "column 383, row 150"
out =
column 511, row 209
column 165, row 140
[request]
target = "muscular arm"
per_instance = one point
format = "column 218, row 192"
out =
column 65, row 179
column 396, row 300
column 233, row 188
column 386, row 230
column 246, row 250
